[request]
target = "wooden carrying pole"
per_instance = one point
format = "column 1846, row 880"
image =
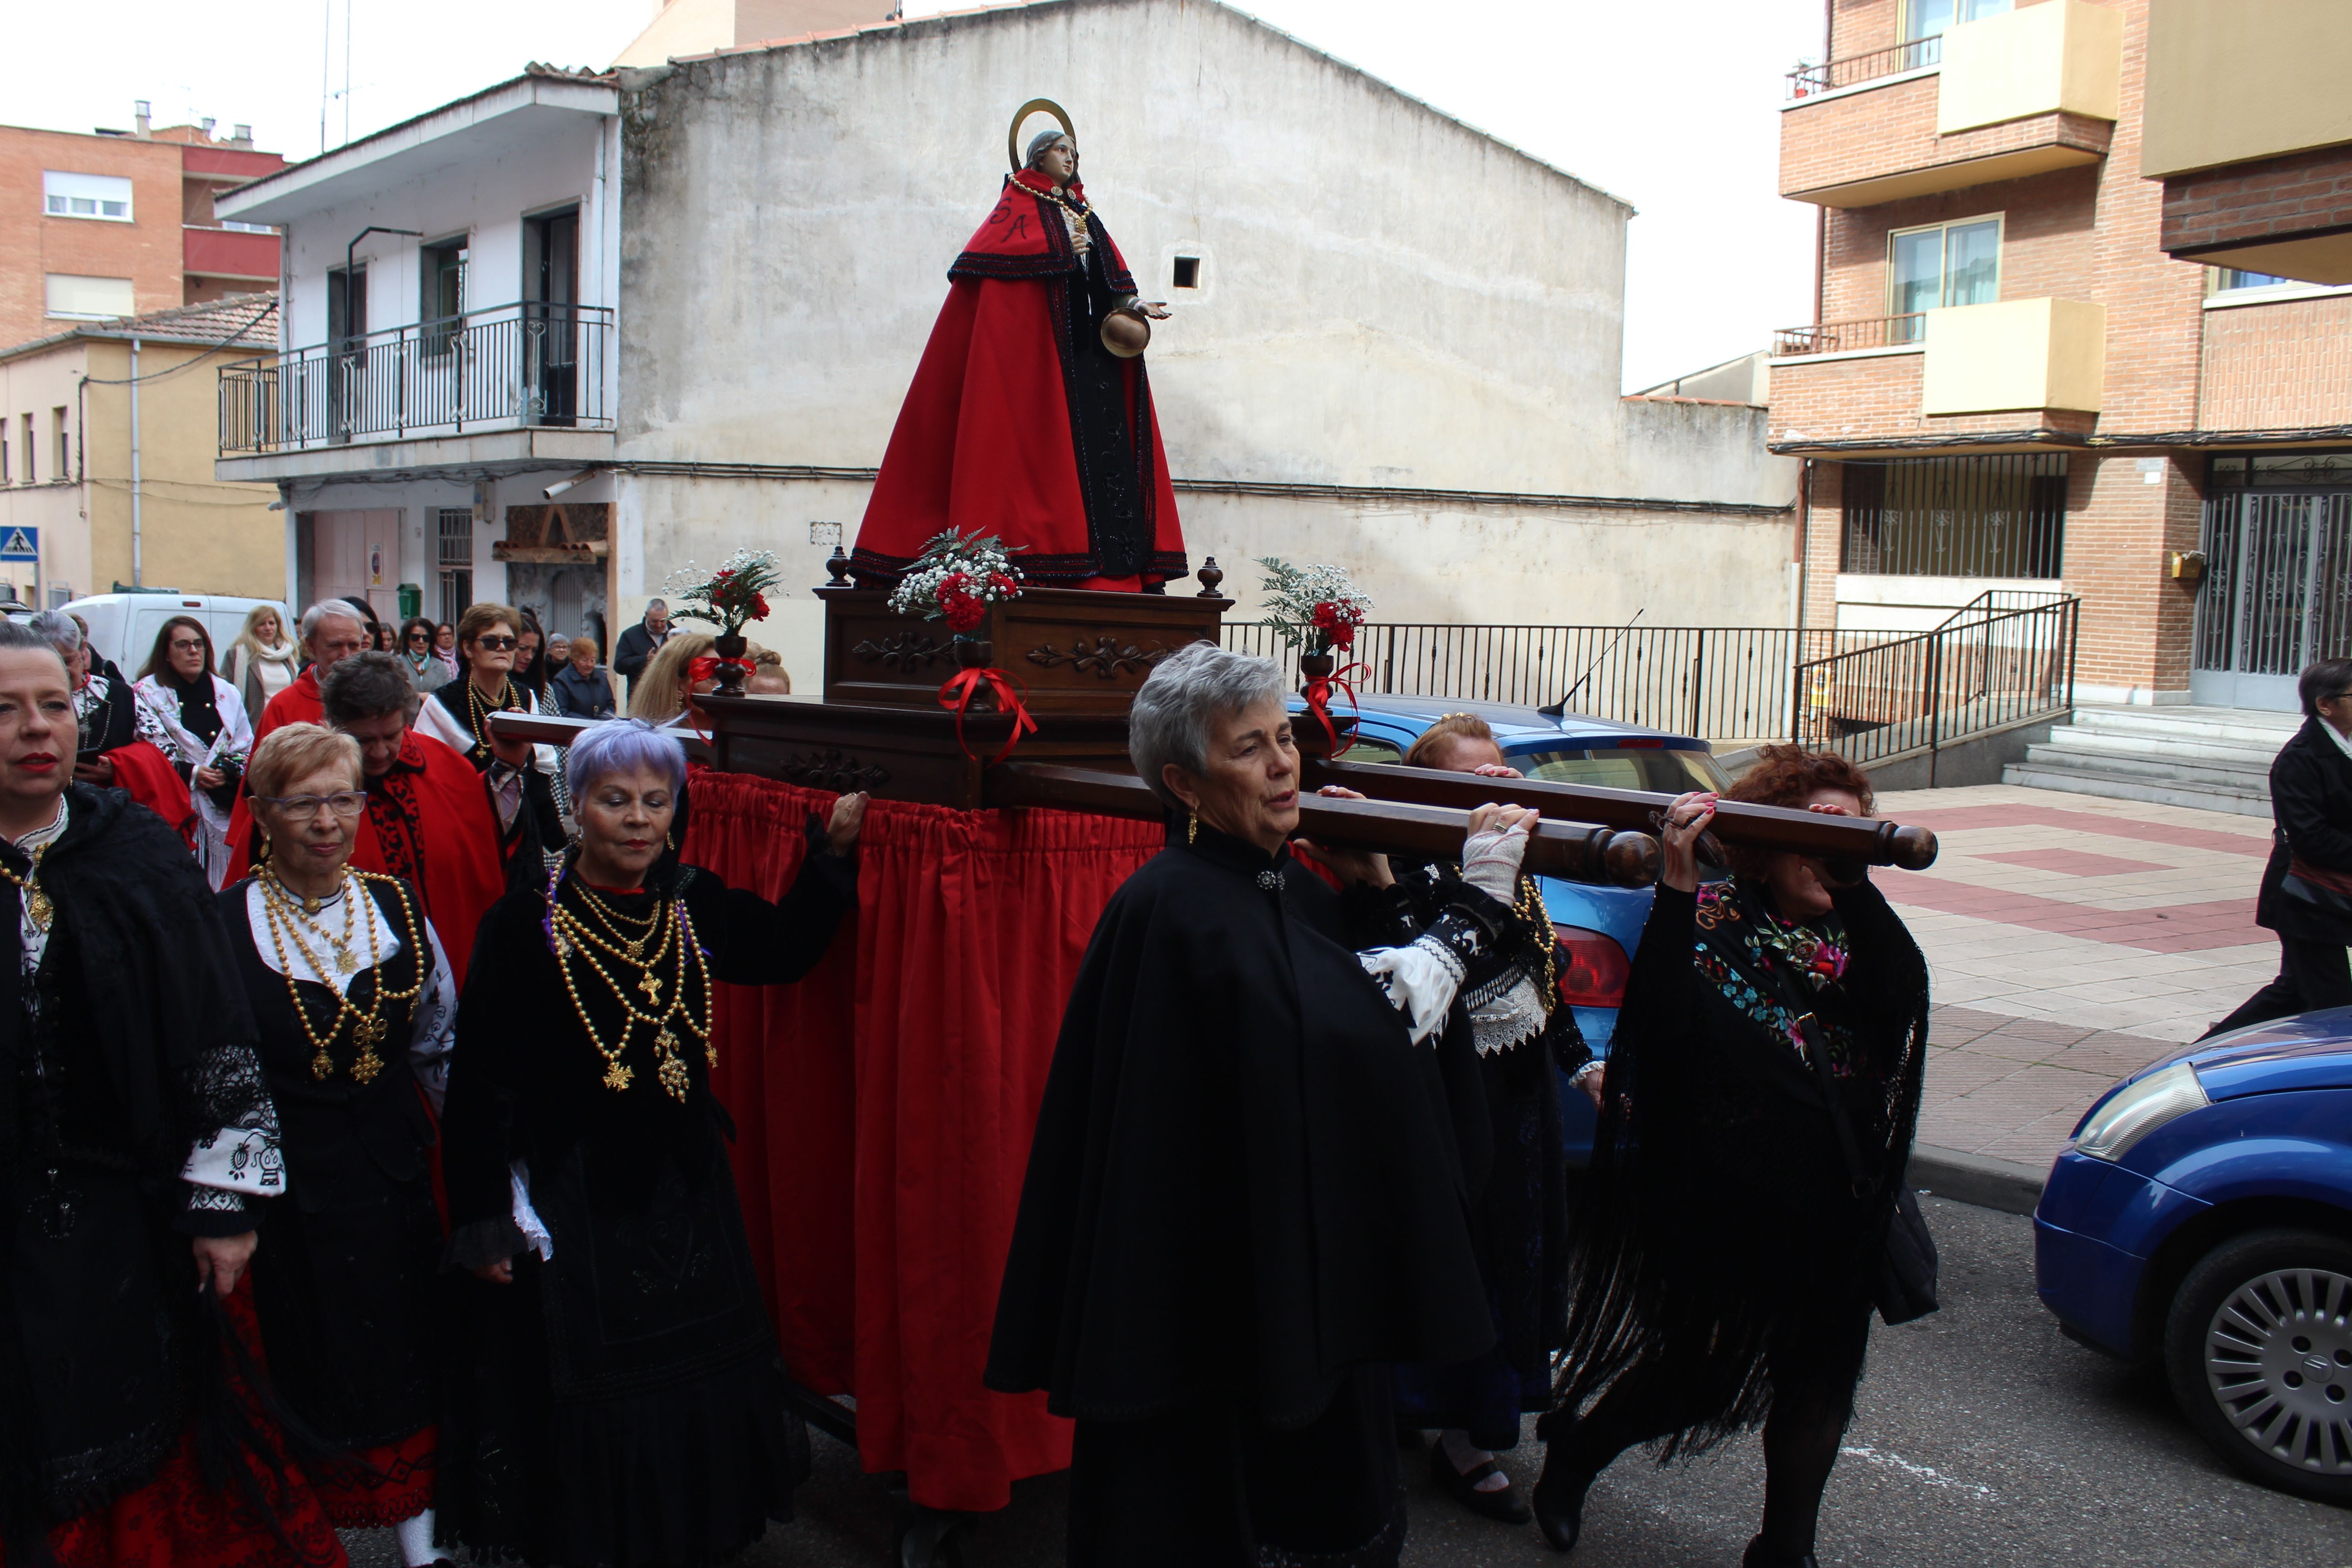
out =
column 1868, row 841
column 1576, row 851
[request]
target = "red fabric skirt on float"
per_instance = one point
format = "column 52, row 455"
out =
column 175, row 1521
column 885, row 1106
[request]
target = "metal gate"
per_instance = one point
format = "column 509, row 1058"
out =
column 2277, row 594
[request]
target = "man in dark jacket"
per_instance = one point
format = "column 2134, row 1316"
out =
column 640, row 642
column 2307, row 894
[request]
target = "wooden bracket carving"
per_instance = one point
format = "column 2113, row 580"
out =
column 1106, row 660
column 833, row 770
column 908, row 650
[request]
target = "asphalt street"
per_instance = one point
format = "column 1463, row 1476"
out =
column 1983, row 1438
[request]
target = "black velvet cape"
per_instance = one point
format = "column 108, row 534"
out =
column 1246, row 1178
column 622, row 1401
column 1718, row 1206
column 140, row 1044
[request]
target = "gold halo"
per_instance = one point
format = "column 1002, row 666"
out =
column 1034, row 106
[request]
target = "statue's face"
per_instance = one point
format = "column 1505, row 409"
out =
column 1059, row 160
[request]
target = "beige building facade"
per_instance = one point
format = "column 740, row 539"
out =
column 109, row 509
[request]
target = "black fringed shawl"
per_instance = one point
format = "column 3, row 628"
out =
column 1719, row 1203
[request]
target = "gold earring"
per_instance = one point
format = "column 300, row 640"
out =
column 1192, row 826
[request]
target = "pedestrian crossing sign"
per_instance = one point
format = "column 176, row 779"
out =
column 21, row 544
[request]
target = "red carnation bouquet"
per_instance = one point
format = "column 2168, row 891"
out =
column 731, row 597
column 1314, row 608
column 955, row 579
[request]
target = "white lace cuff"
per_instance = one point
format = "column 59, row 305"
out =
column 1419, row 980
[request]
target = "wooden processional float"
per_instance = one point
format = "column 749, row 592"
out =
column 1077, row 658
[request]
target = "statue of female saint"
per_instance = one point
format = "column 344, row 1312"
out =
column 1030, row 416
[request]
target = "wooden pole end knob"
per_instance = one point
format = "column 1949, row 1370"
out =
column 1914, row 848
column 1631, row 859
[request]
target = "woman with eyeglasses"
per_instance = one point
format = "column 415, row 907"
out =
column 617, row 1396
column 353, row 1006
column 198, row 722
column 521, row 776
column 416, row 648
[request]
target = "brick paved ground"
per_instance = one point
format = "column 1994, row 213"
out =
column 2071, row 939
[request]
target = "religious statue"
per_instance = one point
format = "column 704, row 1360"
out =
column 1030, row 417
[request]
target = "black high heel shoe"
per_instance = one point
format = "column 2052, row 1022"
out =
column 1759, row 1556
column 1558, row 1503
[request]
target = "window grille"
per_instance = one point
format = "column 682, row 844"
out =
column 453, row 530
column 1956, row 516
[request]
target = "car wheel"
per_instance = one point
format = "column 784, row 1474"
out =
column 2258, row 1346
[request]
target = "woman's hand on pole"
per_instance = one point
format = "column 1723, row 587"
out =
column 1352, row 867
column 1493, row 848
column 1686, row 818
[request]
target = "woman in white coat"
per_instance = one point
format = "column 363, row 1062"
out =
column 198, row 722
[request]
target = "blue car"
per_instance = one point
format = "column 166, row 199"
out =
column 2202, row 1218
column 1601, row 927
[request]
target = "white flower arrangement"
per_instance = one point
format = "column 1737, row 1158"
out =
column 1315, row 607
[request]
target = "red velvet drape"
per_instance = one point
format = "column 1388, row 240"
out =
column 885, row 1107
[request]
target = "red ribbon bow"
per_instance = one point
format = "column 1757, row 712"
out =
column 957, row 692
column 701, row 669
column 1318, row 698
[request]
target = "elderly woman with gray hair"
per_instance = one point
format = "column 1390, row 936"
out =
column 1249, row 1187
column 616, row 1395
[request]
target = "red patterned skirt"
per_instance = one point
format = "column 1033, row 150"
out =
column 176, row 1521
column 387, row 1485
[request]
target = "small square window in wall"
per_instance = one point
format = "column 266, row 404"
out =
column 106, row 197
column 1188, row 272
column 81, row 299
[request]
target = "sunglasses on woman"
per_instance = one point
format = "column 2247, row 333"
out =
column 495, row 644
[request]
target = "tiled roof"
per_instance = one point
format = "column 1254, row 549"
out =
column 237, row 320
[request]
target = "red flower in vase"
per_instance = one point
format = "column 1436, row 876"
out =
column 759, row 606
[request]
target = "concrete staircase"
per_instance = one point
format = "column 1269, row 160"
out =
column 2211, row 759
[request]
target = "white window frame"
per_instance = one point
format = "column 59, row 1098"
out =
column 49, row 309
column 2000, row 251
column 1903, row 23
column 61, row 188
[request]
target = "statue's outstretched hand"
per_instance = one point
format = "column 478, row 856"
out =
column 1155, row 309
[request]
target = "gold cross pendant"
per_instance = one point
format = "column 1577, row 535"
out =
column 616, row 1076
column 651, row 985
column 363, row 1070
column 322, row 1064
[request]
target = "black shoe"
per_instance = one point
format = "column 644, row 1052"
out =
column 1758, row 1555
column 1502, row 1503
column 1559, row 1503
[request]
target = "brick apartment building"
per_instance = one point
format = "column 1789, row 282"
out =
column 120, row 223
column 2081, row 326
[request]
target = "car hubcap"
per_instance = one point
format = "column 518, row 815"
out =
column 2278, row 1359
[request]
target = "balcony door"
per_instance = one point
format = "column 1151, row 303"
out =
column 551, row 318
column 1933, row 18
column 2277, row 592
column 1945, row 264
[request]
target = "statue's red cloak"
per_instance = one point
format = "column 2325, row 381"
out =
column 984, row 442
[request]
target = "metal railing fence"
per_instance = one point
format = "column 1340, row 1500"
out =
column 1806, row 81
column 1845, row 336
column 525, row 365
column 1991, row 664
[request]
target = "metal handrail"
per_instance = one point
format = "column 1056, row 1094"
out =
column 527, row 364
column 1986, row 668
column 1845, row 336
column 1810, row 81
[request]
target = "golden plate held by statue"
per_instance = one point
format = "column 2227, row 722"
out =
column 1127, row 332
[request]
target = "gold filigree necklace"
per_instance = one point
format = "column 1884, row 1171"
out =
column 280, row 905
column 666, row 926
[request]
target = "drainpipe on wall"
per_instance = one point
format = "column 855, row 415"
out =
column 136, row 581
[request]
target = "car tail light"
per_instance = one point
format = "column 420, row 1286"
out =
column 1593, row 973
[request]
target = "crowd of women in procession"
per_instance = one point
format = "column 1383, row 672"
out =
column 397, row 1033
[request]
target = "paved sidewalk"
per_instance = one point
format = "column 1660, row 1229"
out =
column 2071, row 939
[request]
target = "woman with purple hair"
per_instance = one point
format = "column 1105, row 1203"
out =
column 617, row 1396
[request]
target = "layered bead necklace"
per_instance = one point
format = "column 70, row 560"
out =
column 478, row 709
column 638, row 944
column 288, row 915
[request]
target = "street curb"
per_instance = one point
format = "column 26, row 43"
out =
column 1980, row 1179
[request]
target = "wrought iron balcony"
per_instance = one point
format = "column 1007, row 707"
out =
column 1844, row 337
column 1812, row 82
column 522, row 366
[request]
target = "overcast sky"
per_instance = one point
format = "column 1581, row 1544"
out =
column 1673, row 105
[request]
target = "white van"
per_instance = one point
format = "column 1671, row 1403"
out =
column 123, row 627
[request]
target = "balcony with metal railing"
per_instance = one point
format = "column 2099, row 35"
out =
column 514, row 370
column 2000, row 98
column 1849, row 337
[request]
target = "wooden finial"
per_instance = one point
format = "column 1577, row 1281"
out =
column 837, row 563
column 1210, row 577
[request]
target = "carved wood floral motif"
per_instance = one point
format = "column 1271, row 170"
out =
column 1105, row 658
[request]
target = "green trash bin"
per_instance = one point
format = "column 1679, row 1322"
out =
column 412, row 600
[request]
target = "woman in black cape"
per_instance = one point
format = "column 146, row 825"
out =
column 1730, row 1255
column 1246, row 1193
column 617, row 1396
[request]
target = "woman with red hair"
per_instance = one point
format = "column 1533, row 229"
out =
column 1757, row 1117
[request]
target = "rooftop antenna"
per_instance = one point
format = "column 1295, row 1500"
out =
column 1559, row 710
